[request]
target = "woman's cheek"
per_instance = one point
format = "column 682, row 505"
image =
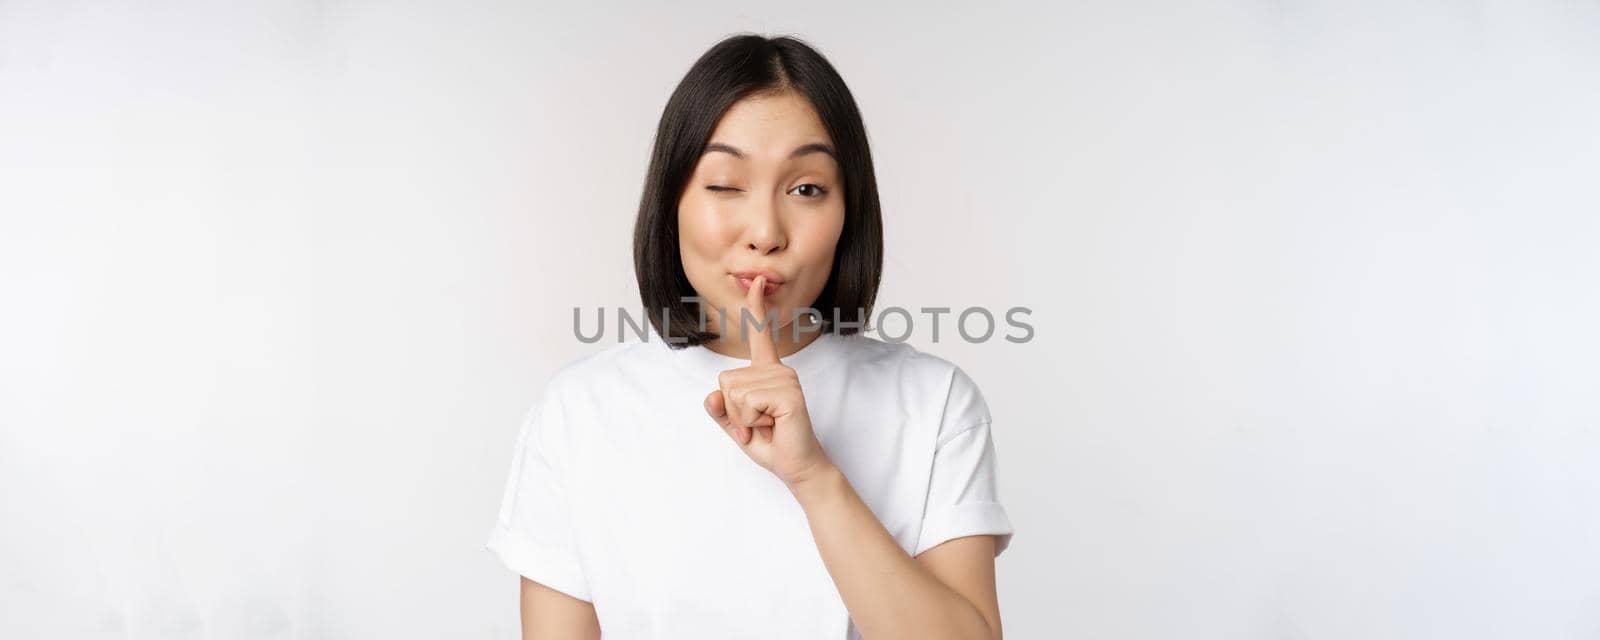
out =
column 703, row 242
column 823, row 240
column 704, row 226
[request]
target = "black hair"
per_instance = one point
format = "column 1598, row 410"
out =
column 739, row 66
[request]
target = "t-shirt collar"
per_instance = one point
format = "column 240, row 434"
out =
column 809, row 358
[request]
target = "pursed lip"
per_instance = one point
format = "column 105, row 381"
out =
column 772, row 277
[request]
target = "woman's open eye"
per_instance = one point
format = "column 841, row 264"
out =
column 816, row 190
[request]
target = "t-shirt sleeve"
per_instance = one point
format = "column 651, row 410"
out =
column 963, row 487
column 533, row 534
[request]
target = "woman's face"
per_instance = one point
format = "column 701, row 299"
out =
column 765, row 197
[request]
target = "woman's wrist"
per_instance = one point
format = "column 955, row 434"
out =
column 818, row 485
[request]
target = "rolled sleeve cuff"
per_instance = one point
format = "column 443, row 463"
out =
column 969, row 519
column 541, row 563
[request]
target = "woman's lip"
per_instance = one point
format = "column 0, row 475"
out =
column 745, row 282
column 771, row 276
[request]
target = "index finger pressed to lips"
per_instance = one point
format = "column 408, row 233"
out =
column 761, row 349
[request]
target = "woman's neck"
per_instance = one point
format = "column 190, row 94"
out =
column 734, row 346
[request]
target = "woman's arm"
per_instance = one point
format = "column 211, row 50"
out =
column 946, row 592
column 548, row 614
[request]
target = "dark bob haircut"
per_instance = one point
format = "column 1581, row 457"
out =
column 740, row 66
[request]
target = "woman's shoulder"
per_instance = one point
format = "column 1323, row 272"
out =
column 603, row 364
column 927, row 374
column 902, row 357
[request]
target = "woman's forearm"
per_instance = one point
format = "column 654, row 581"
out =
column 888, row 593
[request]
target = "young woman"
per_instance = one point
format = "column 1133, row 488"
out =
column 727, row 477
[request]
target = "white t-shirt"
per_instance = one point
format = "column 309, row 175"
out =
column 624, row 493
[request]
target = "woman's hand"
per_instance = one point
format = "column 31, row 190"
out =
column 762, row 409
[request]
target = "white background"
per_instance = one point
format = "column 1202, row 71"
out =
column 1314, row 286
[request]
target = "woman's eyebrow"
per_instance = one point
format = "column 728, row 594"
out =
column 814, row 147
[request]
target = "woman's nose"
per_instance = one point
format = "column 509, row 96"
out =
column 764, row 231
column 765, row 245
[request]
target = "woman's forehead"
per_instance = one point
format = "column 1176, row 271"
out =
column 769, row 127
